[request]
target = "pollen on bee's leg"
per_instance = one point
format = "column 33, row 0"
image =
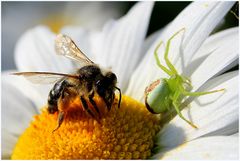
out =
column 123, row 133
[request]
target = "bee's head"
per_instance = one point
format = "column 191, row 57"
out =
column 106, row 82
column 111, row 78
column 105, row 87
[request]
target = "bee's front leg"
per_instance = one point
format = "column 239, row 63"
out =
column 90, row 97
column 85, row 106
column 108, row 98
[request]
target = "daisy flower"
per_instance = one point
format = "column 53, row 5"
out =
column 130, row 132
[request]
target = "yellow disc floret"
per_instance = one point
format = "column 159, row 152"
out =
column 124, row 133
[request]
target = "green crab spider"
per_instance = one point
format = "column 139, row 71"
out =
column 166, row 93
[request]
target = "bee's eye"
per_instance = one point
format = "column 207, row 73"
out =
column 98, row 83
column 101, row 87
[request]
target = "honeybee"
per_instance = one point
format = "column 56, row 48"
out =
column 85, row 83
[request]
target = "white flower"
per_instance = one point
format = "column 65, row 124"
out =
column 122, row 46
column 55, row 15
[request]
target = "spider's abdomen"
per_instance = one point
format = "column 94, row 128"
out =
column 157, row 96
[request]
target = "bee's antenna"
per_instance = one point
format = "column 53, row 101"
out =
column 120, row 96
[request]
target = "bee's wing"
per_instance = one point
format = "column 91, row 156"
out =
column 65, row 46
column 44, row 77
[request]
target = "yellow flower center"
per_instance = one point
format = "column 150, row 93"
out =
column 121, row 133
column 56, row 22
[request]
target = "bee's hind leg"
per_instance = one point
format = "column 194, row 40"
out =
column 85, row 106
column 62, row 103
column 60, row 120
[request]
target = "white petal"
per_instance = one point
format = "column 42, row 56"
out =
column 235, row 135
column 213, row 114
column 195, row 19
column 209, row 46
column 17, row 111
column 217, row 62
column 198, row 19
column 36, row 93
column 119, row 44
column 146, row 72
column 203, row 27
column 35, row 52
column 134, row 83
column 8, row 143
column 150, row 40
column 209, row 148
